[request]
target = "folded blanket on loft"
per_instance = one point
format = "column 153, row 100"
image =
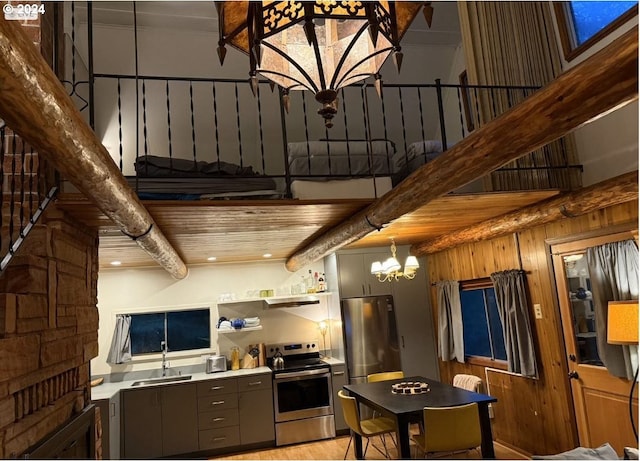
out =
column 152, row 166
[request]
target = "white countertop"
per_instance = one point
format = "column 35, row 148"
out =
column 333, row 361
column 109, row 389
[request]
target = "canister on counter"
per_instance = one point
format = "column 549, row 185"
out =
column 235, row 358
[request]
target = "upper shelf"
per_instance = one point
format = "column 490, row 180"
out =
column 282, row 301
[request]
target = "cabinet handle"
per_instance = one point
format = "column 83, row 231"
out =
column 216, row 420
column 364, row 292
column 218, row 402
column 217, row 388
column 369, row 285
column 338, row 373
column 255, row 383
column 402, row 341
column 219, row 439
column 112, row 407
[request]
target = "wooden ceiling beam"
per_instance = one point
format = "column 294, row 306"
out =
column 620, row 189
column 599, row 84
column 35, row 105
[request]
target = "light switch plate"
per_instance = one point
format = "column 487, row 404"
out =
column 537, row 309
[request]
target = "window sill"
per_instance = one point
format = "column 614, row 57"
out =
column 487, row 362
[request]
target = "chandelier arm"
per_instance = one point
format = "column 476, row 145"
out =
column 316, row 50
column 273, row 72
column 384, row 50
column 346, row 53
column 313, row 88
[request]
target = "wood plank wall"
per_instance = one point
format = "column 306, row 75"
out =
column 48, row 330
column 534, row 416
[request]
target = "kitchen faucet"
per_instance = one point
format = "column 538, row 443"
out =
column 163, row 346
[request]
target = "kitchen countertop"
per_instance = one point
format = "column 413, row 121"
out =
column 333, row 361
column 107, row 390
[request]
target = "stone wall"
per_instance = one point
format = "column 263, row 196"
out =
column 48, row 330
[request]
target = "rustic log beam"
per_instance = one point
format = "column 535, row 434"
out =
column 620, row 189
column 35, row 105
column 606, row 80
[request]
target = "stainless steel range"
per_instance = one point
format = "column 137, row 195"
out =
column 302, row 393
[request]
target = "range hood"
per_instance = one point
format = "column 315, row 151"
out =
column 293, row 301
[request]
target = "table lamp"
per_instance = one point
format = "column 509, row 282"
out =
column 622, row 328
column 323, row 327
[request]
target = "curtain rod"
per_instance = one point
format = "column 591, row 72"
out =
column 479, row 279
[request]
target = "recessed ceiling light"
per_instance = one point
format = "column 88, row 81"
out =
column 115, row 263
column 211, row 258
column 266, row 255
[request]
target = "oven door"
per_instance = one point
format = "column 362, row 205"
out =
column 302, row 394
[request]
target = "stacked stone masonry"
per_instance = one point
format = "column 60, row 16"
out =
column 48, row 295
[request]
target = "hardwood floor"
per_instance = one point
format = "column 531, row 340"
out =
column 335, row 449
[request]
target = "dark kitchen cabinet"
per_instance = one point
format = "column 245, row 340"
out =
column 255, row 405
column 141, row 423
column 159, row 421
column 354, row 275
column 338, row 380
column 179, row 421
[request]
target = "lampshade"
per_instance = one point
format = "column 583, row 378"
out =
column 411, row 263
column 320, row 45
column 622, row 322
column 391, row 265
column 376, row 268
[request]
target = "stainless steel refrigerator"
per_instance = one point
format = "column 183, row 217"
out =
column 370, row 336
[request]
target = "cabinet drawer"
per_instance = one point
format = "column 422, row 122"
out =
column 254, row 383
column 217, row 386
column 216, row 419
column 217, row 402
column 219, row 438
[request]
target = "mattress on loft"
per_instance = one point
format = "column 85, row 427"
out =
column 357, row 188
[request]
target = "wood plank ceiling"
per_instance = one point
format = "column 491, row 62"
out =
column 241, row 231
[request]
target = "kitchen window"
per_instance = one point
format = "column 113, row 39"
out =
column 583, row 23
column 182, row 330
column 482, row 328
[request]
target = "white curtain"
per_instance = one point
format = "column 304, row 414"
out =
column 512, row 307
column 450, row 337
column 120, row 350
column 613, row 271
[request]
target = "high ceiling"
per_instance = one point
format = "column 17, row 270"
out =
column 201, row 16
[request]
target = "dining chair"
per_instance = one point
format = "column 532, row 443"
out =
column 469, row 383
column 450, row 429
column 364, row 427
column 384, row 376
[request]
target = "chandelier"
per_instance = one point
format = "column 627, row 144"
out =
column 391, row 269
column 320, row 46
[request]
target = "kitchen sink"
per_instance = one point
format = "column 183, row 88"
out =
column 169, row 379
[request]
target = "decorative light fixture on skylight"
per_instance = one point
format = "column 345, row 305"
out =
column 320, row 46
column 391, row 269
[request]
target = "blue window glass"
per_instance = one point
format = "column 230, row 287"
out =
column 183, row 330
column 590, row 17
column 474, row 324
column 482, row 328
column 188, row 330
column 147, row 332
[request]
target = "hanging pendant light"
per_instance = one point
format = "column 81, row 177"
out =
column 392, row 270
column 320, row 46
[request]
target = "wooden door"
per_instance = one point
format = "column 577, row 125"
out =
column 600, row 400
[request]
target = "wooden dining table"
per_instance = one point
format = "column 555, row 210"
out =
column 407, row 408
